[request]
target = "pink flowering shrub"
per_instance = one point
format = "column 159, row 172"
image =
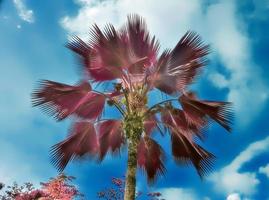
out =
column 59, row 188
column 35, row 194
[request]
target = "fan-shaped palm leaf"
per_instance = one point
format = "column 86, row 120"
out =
column 196, row 110
column 176, row 119
column 82, row 141
column 150, row 157
column 176, row 69
column 140, row 44
column 186, row 151
column 111, row 137
column 61, row 100
column 150, row 124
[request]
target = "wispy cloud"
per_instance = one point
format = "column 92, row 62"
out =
column 230, row 180
column 23, row 12
column 264, row 170
column 229, row 40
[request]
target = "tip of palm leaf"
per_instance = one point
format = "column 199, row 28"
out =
column 56, row 157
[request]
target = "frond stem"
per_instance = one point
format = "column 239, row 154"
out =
column 127, row 101
column 155, row 105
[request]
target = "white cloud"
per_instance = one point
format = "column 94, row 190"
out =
column 219, row 80
column 24, row 13
column 178, row 193
column 234, row 196
column 170, row 20
column 155, row 13
column 229, row 179
column 265, row 170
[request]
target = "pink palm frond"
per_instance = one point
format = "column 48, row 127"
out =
column 109, row 55
column 176, row 69
column 111, row 137
column 83, row 50
column 185, row 151
column 150, row 124
column 61, row 100
column 81, row 141
column 175, row 119
column 217, row 110
column 150, row 158
column 140, row 44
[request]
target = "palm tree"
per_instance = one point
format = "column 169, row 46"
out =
column 127, row 62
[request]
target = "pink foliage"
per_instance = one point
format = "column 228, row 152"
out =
column 58, row 188
column 35, row 194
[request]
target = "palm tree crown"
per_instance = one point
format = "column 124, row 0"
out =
column 128, row 59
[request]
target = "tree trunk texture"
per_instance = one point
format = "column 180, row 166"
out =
column 130, row 183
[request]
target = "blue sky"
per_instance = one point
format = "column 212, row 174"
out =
column 33, row 35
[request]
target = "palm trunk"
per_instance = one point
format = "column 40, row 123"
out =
column 130, row 183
